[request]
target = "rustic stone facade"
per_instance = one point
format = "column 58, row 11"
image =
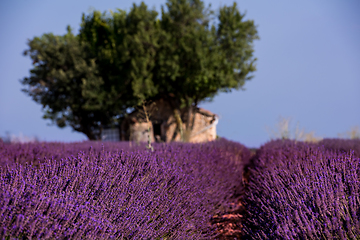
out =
column 163, row 125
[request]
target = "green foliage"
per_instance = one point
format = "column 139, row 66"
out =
column 196, row 60
column 117, row 61
column 64, row 80
column 124, row 46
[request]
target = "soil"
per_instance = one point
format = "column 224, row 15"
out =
column 229, row 224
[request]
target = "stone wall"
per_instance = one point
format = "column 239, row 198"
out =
column 163, row 125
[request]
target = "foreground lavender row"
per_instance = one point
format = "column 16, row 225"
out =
column 35, row 153
column 113, row 193
column 304, row 191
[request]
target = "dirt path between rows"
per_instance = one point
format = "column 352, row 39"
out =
column 230, row 224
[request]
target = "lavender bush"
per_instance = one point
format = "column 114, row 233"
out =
column 302, row 191
column 116, row 192
column 344, row 145
column 35, row 153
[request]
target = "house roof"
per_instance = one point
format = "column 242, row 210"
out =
column 161, row 110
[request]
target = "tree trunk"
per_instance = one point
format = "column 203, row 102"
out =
column 189, row 123
column 179, row 124
column 90, row 135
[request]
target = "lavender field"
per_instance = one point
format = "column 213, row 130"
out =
column 302, row 190
column 95, row 190
column 92, row 190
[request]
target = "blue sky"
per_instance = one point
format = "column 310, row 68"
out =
column 308, row 66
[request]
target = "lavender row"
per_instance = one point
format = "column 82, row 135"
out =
column 343, row 145
column 302, row 191
column 105, row 193
column 35, row 153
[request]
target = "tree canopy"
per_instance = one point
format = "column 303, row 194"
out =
column 117, row 60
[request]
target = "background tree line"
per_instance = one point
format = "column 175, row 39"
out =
column 118, row 60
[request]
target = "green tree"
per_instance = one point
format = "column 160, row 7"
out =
column 124, row 46
column 63, row 81
column 196, row 61
column 129, row 58
column 90, row 80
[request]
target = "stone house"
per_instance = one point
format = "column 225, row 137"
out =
column 163, row 125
